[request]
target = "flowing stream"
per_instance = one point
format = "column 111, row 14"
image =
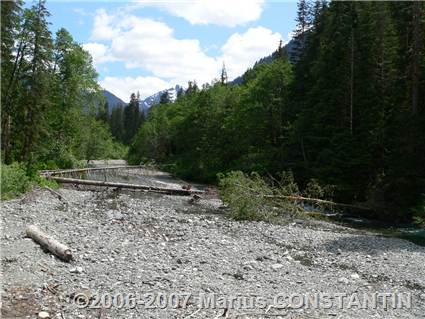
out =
column 405, row 231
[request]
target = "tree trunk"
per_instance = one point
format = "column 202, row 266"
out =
column 318, row 202
column 170, row 191
column 7, row 109
column 351, row 80
column 48, row 243
column 417, row 39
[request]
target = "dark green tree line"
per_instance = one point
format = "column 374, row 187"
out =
column 348, row 112
column 49, row 93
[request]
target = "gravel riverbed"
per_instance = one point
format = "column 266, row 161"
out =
column 163, row 256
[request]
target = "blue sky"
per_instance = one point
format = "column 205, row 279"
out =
column 148, row 45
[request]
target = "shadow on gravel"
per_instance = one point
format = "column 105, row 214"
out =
column 370, row 245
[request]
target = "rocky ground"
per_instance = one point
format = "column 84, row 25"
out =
column 167, row 257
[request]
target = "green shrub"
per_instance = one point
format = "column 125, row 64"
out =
column 419, row 213
column 44, row 182
column 250, row 197
column 14, row 180
column 66, row 160
column 287, row 185
column 116, row 150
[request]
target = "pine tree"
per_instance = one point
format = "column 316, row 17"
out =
column 180, row 92
column 164, row 98
column 132, row 119
column 103, row 113
column 11, row 61
column 304, row 22
column 35, row 98
column 223, row 76
column 117, row 123
column 192, row 87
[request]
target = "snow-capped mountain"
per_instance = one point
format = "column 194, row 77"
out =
column 146, row 104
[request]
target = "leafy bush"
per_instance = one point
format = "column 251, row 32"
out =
column 315, row 190
column 14, row 180
column 287, row 185
column 44, row 182
column 250, row 197
column 116, row 151
column 66, row 160
column 419, row 213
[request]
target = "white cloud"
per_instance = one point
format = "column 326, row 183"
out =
column 241, row 51
column 103, row 26
column 151, row 46
column 99, row 52
column 124, row 86
column 162, row 54
column 228, row 13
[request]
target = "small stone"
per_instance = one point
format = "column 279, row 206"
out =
column 289, row 258
column 343, row 280
column 277, row 266
column 238, row 276
column 248, row 267
column 76, row 270
column 43, row 315
column 355, row 276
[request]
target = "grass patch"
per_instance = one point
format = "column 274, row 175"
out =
column 14, row 181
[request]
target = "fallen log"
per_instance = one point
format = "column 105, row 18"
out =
column 59, row 196
column 48, row 243
column 169, row 191
column 87, row 169
column 318, row 202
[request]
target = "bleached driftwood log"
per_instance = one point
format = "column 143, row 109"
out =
column 88, row 169
column 318, row 202
column 170, row 191
column 47, row 242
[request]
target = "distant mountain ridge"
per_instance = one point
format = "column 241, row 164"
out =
column 146, row 104
column 113, row 100
column 290, row 50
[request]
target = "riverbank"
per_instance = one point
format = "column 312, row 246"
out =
column 147, row 244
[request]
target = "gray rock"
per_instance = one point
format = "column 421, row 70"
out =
column 155, row 248
column 43, row 315
column 76, row 270
column 277, row 266
column 355, row 276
